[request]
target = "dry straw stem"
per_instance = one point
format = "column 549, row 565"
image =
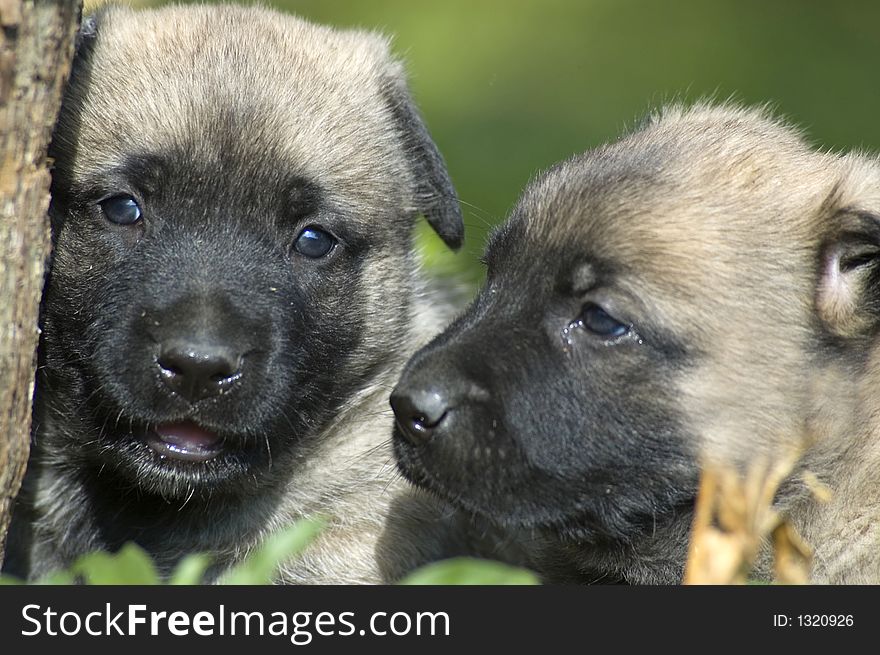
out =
column 735, row 517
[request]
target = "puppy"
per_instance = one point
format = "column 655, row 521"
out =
column 232, row 297
column 705, row 288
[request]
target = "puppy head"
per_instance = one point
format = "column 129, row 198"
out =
column 655, row 301
column 232, row 219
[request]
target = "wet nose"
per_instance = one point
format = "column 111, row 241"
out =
column 196, row 371
column 419, row 412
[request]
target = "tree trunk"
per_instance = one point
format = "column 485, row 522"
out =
column 36, row 47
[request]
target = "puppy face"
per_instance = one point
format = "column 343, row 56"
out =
column 232, row 225
column 649, row 303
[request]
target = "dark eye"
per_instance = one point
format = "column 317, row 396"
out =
column 123, row 210
column 601, row 323
column 313, row 242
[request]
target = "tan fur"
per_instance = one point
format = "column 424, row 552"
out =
column 305, row 84
column 729, row 230
column 314, row 100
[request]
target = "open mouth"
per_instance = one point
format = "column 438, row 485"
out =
column 185, row 441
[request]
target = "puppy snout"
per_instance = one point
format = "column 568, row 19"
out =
column 431, row 399
column 419, row 412
column 196, row 371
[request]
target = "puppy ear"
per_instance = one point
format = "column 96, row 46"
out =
column 436, row 197
column 88, row 31
column 848, row 296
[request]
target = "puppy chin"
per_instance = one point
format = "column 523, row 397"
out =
column 514, row 496
column 179, row 459
column 478, row 485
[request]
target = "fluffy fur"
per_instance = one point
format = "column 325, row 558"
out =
column 234, row 130
column 704, row 288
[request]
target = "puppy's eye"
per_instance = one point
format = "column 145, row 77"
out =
column 122, row 210
column 601, row 323
column 313, row 242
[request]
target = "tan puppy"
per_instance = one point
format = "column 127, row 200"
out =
column 708, row 286
column 233, row 295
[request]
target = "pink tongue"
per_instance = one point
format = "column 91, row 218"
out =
column 187, row 436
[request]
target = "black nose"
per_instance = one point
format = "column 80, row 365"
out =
column 197, row 371
column 419, row 412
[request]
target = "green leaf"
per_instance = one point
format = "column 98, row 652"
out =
column 6, row 579
column 469, row 571
column 130, row 566
column 260, row 566
column 190, row 570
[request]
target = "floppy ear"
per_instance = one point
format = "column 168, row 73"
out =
column 68, row 123
column 848, row 296
column 436, row 197
column 88, row 30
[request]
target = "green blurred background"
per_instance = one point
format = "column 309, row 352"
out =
column 508, row 88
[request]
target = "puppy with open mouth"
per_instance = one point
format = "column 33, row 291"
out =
column 232, row 296
column 705, row 288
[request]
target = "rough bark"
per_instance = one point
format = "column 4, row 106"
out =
column 36, row 47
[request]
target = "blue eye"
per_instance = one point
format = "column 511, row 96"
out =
column 601, row 323
column 314, row 243
column 121, row 209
